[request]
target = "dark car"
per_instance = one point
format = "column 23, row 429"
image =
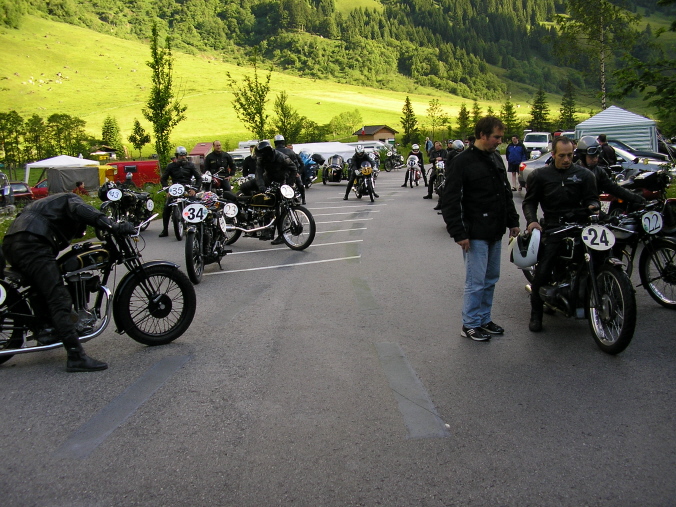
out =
column 21, row 190
column 40, row 190
column 615, row 143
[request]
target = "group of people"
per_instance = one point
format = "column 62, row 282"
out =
column 478, row 209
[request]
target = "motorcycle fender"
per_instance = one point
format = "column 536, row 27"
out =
column 670, row 240
column 126, row 279
column 191, row 228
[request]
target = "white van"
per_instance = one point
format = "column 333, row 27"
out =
column 540, row 141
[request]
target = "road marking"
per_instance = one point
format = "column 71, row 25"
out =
column 420, row 416
column 349, row 206
column 346, row 220
column 346, row 213
column 342, row 230
column 87, row 437
column 283, row 265
column 314, row 245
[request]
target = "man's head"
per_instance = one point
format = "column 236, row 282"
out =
column 415, row 148
column 489, row 131
column 181, row 153
column 279, row 141
column 562, row 151
column 264, row 150
column 217, row 146
column 437, row 145
column 602, row 139
column 515, row 140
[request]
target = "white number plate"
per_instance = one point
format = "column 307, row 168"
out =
column 194, row 213
column 176, row 190
column 598, row 237
column 652, row 222
column 150, row 205
column 231, row 210
column 114, row 194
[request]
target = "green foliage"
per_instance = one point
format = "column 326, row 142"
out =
column 513, row 126
column 476, row 112
column 539, row 113
column 409, row 124
column 464, row 128
column 345, row 123
column 567, row 119
column 138, row 137
column 436, row 116
column 162, row 109
column 250, row 99
column 11, row 12
column 110, row 134
column 288, row 121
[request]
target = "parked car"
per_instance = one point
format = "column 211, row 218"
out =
column 616, row 143
column 530, row 165
column 21, row 191
column 40, row 189
column 540, row 141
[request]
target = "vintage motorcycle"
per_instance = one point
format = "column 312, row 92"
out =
column 213, row 182
column 334, row 171
column 123, row 204
column 259, row 215
column 311, row 165
column 441, row 177
column 154, row 302
column 393, row 160
column 205, row 239
column 364, row 181
column 179, row 199
column 649, row 184
column 589, row 283
column 657, row 262
column 414, row 174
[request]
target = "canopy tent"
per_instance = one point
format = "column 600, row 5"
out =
column 63, row 179
column 616, row 123
column 60, row 161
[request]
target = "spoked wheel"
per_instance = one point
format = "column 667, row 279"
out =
column 194, row 260
column 156, row 306
column 11, row 329
column 657, row 269
column 298, row 228
column 231, row 235
column 178, row 222
column 369, row 190
column 612, row 319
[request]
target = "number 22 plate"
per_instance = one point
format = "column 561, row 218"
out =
column 598, row 237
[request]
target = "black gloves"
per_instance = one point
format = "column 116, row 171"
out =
column 123, row 228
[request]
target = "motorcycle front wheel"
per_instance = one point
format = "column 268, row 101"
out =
column 178, row 221
column 194, row 260
column 657, row 269
column 298, row 234
column 12, row 329
column 612, row 319
column 157, row 306
column 369, row 190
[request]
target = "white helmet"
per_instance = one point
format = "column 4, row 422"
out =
column 524, row 249
column 412, row 161
column 458, row 145
column 441, row 164
column 415, row 147
column 359, row 149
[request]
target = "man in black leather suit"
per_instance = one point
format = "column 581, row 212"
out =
column 295, row 158
column 359, row 156
column 31, row 245
column 181, row 171
column 561, row 189
column 220, row 162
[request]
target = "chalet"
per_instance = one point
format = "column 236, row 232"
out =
column 381, row 133
column 199, row 153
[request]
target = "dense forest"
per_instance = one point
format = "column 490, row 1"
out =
column 458, row 46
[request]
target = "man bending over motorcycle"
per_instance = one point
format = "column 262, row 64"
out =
column 31, row 245
column 271, row 165
column 561, row 189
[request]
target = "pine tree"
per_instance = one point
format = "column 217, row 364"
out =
column 110, row 134
column 568, row 109
column 139, row 137
column 509, row 118
column 476, row 112
column 409, row 124
column 539, row 112
column 463, row 122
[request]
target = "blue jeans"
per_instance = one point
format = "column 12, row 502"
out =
column 482, row 271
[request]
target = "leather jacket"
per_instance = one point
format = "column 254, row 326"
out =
column 181, row 172
column 216, row 160
column 58, row 219
column 279, row 168
column 559, row 192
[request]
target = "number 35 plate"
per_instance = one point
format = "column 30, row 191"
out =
column 598, row 237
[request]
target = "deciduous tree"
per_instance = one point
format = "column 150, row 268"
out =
column 288, row 121
column 250, row 99
column 138, row 137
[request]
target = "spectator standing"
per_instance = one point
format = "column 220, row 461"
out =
column 428, row 145
column 607, row 156
column 220, row 162
column 516, row 153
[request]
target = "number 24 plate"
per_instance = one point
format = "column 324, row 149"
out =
column 598, row 237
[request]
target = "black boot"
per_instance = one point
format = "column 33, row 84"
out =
column 79, row 361
column 165, row 227
column 535, row 324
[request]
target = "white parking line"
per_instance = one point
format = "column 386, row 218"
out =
column 314, row 245
column 346, row 220
column 283, row 265
column 346, row 213
column 342, row 230
column 347, row 206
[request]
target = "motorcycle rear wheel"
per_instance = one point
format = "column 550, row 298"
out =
column 157, row 306
column 194, row 258
column 657, row 269
column 178, row 222
column 301, row 236
column 612, row 321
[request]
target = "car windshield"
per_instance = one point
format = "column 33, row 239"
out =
column 535, row 138
column 18, row 187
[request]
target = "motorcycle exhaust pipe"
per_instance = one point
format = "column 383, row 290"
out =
column 104, row 324
column 230, row 227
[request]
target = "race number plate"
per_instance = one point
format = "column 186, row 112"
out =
column 114, row 194
column 150, row 205
column 231, row 210
column 176, row 190
column 194, row 213
column 598, row 237
column 652, row 222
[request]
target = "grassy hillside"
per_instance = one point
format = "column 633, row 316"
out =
column 49, row 67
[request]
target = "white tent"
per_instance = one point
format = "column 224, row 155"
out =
column 60, row 161
column 616, row 123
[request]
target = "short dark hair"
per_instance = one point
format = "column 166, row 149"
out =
column 560, row 140
column 486, row 125
column 601, row 138
column 78, row 183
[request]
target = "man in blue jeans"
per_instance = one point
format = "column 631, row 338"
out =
column 478, row 208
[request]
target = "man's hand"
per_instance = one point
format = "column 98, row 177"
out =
column 534, row 225
column 464, row 244
column 514, row 232
column 123, row 228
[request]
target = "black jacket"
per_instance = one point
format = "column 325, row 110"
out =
column 279, row 168
column 215, row 160
column 605, row 185
column 58, row 219
column 421, row 163
column 477, row 202
column 249, row 165
column 558, row 192
column 357, row 160
column 437, row 153
column 181, row 172
column 295, row 158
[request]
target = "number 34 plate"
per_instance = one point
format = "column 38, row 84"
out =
column 598, row 237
